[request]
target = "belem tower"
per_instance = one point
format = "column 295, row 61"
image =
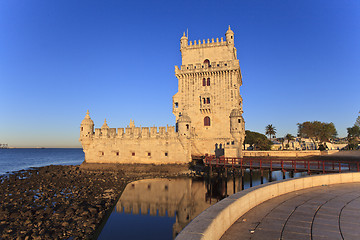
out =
column 207, row 106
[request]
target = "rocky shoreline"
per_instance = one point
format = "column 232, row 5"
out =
column 67, row 202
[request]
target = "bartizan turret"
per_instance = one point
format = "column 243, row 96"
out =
column 236, row 123
column 183, row 41
column 237, row 130
column 86, row 127
column 229, row 37
column 184, row 126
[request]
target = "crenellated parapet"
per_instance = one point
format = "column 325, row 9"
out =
column 196, row 44
column 207, row 43
column 135, row 132
column 205, row 68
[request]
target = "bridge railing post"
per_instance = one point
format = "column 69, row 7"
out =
column 323, row 167
column 357, row 166
column 339, row 167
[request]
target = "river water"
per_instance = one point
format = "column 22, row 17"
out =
column 23, row 158
column 161, row 208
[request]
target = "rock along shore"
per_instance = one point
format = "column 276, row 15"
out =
column 67, row 202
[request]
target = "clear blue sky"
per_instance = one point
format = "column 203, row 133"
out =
column 300, row 61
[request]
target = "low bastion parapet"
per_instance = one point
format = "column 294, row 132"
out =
column 135, row 132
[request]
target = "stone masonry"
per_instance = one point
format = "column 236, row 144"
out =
column 207, row 106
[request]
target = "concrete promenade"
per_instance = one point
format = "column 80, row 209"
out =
column 318, row 213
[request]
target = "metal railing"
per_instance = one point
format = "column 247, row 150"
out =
column 296, row 165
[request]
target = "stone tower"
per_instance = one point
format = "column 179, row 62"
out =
column 208, row 110
column 209, row 81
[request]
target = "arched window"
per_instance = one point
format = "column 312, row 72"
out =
column 208, row 82
column 204, row 82
column 206, row 121
column 207, row 62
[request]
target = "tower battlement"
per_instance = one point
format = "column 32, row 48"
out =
column 213, row 67
column 134, row 132
column 206, row 52
column 207, row 43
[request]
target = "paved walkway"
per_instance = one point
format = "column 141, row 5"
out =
column 326, row 212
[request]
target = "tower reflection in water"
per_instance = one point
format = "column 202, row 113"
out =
column 176, row 201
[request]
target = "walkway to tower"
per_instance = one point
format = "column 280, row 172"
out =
column 324, row 212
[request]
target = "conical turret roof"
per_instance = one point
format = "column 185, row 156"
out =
column 184, row 118
column 229, row 31
column 105, row 125
column 87, row 120
column 184, row 36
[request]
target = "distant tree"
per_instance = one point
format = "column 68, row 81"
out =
column 357, row 123
column 317, row 131
column 270, row 130
column 289, row 138
column 257, row 140
column 353, row 137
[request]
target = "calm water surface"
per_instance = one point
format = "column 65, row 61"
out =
column 24, row 158
column 161, row 208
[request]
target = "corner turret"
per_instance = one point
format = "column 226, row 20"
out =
column 236, row 123
column 183, row 41
column 86, row 126
column 229, row 37
column 184, row 126
column 237, row 130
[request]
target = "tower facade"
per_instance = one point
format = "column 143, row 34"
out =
column 208, row 91
column 207, row 106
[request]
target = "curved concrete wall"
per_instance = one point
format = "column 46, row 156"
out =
column 214, row 221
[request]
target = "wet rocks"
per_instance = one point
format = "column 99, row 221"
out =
column 66, row 202
column 56, row 202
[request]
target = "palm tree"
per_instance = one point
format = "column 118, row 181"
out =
column 270, row 130
column 289, row 138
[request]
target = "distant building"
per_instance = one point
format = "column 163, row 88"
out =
column 207, row 107
column 3, row 145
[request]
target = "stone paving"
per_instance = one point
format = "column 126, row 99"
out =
column 319, row 213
